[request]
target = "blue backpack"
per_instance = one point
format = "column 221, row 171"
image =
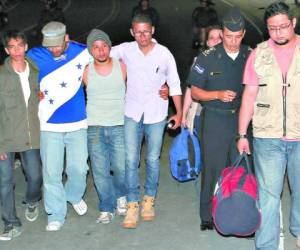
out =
column 184, row 156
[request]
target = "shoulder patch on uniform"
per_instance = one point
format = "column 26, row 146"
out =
column 208, row 51
column 199, row 68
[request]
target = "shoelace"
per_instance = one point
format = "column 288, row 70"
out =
column 31, row 208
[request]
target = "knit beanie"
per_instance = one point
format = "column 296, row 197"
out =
column 96, row 35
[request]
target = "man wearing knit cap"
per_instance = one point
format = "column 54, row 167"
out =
column 216, row 80
column 104, row 78
column 63, row 122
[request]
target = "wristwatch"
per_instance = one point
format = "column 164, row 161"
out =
column 241, row 136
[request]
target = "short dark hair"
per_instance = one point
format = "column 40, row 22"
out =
column 13, row 34
column 141, row 18
column 276, row 9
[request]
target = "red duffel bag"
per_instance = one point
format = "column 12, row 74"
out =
column 234, row 207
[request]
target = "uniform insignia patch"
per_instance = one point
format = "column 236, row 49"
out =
column 199, row 69
column 208, row 51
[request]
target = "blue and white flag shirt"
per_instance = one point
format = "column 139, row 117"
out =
column 63, row 106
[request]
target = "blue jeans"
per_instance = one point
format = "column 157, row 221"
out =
column 271, row 157
column 134, row 133
column 31, row 164
column 107, row 154
column 56, row 194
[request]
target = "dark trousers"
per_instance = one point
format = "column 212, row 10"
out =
column 32, row 168
column 219, row 129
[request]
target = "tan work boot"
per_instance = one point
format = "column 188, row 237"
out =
column 132, row 216
column 148, row 212
column 298, row 241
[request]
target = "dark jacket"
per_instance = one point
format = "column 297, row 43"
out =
column 203, row 17
column 19, row 125
column 151, row 12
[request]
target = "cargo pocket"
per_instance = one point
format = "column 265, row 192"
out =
column 261, row 118
column 9, row 100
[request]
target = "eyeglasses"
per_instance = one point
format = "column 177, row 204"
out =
column 281, row 28
column 144, row 32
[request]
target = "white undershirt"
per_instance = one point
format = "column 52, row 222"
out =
column 24, row 79
column 233, row 56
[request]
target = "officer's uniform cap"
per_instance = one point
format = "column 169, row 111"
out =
column 234, row 20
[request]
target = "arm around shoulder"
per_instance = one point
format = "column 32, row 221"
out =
column 85, row 75
column 124, row 70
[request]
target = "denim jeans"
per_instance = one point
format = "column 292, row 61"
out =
column 271, row 157
column 134, row 133
column 56, row 194
column 32, row 168
column 107, row 155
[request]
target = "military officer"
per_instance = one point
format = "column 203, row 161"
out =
column 216, row 80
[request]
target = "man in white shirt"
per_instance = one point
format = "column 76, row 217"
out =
column 149, row 66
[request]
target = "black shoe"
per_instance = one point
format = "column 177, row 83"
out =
column 206, row 225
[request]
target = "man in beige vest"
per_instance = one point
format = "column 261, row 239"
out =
column 270, row 99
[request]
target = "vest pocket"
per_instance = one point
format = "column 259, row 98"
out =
column 261, row 118
column 262, row 109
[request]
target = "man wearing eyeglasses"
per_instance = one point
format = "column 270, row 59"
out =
column 149, row 66
column 271, row 100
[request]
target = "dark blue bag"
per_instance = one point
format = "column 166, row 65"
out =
column 184, row 156
column 235, row 208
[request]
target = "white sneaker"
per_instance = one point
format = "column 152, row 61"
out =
column 121, row 206
column 80, row 207
column 17, row 164
column 53, row 226
column 105, row 217
column 11, row 233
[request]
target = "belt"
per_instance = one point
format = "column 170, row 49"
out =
column 223, row 111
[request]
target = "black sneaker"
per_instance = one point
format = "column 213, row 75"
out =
column 206, row 225
column 32, row 212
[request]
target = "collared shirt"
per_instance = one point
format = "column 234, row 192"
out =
column 214, row 70
column 145, row 76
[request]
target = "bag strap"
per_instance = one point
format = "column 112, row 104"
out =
column 197, row 156
column 239, row 159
